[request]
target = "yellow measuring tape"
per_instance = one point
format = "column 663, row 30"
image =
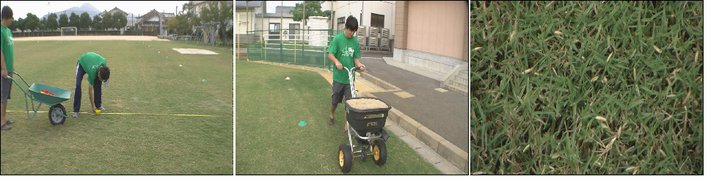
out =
column 143, row 114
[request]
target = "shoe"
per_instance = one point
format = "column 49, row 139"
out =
column 6, row 127
column 10, row 122
column 102, row 109
column 75, row 115
column 331, row 121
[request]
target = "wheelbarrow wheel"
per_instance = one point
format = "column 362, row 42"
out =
column 57, row 114
column 345, row 158
column 378, row 152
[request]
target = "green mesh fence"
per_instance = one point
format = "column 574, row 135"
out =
column 308, row 50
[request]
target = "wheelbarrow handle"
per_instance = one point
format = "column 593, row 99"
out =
column 24, row 88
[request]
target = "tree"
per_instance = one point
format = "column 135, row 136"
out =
column 63, row 20
column 84, row 20
column 107, row 20
column 220, row 13
column 52, row 22
column 180, row 24
column 192, row 17
column 312, row 8
column 119, row 20
column 20, row 24
column 97, row 23
column 32, row 22
column 74, row 20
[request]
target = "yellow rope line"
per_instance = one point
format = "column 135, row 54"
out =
column 145, row 114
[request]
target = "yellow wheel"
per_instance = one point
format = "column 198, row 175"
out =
column 345, row 158
column 378, row 152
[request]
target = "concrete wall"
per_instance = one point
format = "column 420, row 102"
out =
column 433, row 35
column 438, row 28
column 315, row 37
column 245, row 20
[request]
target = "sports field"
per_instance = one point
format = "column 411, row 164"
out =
column 281, row 127
column 167, row 113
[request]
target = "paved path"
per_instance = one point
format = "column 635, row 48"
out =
column 445, row 113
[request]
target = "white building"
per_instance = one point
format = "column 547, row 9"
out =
column 277, row 26
column 246, row 15
column 379, row 14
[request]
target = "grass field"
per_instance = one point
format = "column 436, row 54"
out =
column 587, row 88
column 145, row 79
column 269, row 140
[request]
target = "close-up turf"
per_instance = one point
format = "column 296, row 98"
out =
column 586, row 87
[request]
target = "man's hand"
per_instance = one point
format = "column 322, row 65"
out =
column 362, row 67
column 339, row 65
column 5, row 74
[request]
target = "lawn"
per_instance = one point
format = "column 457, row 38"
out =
column 587, row 88
column 139, row 133
column 270, row 141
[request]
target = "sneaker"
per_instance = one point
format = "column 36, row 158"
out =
column 75, row 115
column 6, row 127
column 10, row 122
column 331, row 121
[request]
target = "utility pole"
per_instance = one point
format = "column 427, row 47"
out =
column 280, row 31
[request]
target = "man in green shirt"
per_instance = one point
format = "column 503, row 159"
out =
column 95, row 66
column 343, row 52
column 7, row 58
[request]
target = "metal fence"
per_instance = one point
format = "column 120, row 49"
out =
column 41, row 33
column 300, row 47
column 209, row 38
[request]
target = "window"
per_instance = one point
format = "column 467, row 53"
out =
column 340, row 20
column 377, row 20
column 340, row 23
column 294, row 30
column 274, row 31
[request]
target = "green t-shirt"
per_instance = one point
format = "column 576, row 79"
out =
column 8, row 48
column 345, row 50
column 90, row 62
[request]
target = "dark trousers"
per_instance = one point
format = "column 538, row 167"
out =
column 77, row 92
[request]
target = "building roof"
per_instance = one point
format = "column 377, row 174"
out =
column 285, row 10
column 154, row 13
column 248, row 4
column 113, row 11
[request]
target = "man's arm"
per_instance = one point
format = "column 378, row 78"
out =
column 93, row 105
column 4, row 68
column 334, row 61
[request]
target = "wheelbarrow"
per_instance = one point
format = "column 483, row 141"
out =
column 38, row 94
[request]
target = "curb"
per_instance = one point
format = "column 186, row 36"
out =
column 449, row 151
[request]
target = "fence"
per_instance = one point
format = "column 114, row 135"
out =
column 83, row 33
column 300, row 47
column 197, row 37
